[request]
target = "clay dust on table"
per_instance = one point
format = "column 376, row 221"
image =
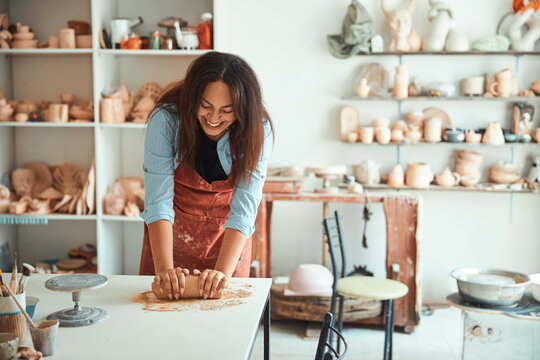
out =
column 229, row 299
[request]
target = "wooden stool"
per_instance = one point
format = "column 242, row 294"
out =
column 375, row 289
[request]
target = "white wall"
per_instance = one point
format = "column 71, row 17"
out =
column 285, row 42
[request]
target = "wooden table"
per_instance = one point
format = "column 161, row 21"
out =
column 403, row 241
column 133, row 333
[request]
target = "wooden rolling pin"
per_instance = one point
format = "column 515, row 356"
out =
column 191, row 290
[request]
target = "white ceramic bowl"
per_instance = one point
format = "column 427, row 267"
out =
column 311, row 278
column 535, row 286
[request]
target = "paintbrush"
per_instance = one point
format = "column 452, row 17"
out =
column 1, row 283
column 24, row 277
column 13, row 282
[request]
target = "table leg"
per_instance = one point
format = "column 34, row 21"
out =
column 267, row 329
column 325, row 243
column 389, row 329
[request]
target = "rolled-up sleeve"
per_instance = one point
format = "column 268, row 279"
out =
column 159, row 166
column 247, row 196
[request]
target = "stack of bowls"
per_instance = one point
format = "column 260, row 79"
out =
column 504, row 173
column 24, row 39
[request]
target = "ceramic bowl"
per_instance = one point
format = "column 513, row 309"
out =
column 454, row 135
column 9, row 343
column 83, row 41
column 469, row 181
column 311, row 278
column 510, row 138
column 23, row 36
column 382, row 122
column 535, row 286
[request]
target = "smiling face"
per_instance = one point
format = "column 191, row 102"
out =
column 216, row 110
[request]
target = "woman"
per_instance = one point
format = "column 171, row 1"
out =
column 205, row 157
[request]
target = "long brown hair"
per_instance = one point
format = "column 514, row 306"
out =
column 246, row 134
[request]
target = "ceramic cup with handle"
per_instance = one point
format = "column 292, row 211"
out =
column 502, row 87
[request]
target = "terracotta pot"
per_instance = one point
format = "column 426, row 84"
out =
column 537, row 134
column 447, row 178
column 400, row 125
column 66, row 38
column 396, row 176
column 83, row 41
column 67, row 98
column 472, row 138
column 418, row 175
column 54, row 42
column 382, row 122
column 20, row 117
column 535, row 86
column 383, row 135
column 502, row 87
column 397, row 136
column 366, row 135
column 112, row 110
column 351, row 137
column 473, row 157
column 58, row 113
column 469, row 181
column 413, row 135
column 401, row 83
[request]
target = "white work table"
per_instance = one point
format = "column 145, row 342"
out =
column 133, row 333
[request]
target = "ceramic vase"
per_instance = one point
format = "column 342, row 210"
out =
column 66, row 38
column 58, row 113
column 396, row 176
column 401, row 83
column 112, row 110
column 366, row 135
column 493, row 135
column 418, row 175
column 433, row 130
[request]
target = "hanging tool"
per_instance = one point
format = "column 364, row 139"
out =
column 367, row 216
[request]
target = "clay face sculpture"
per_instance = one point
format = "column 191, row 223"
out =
column 404, row 37
column 447, row 178
column 348, row 121
column 23, row 180
column 418, row 175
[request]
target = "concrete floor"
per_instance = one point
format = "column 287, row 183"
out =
column 437, row 337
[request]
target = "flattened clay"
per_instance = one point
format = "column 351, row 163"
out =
column 23, row 181
column 191, row 290
column 67, row 178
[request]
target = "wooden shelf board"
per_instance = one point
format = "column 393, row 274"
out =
column 443, row 53
column 123, row 126
column 121, row 218
column 46, row 51
column 442, row 98
column 148, row 52
column 47, row 124
column 482, row 188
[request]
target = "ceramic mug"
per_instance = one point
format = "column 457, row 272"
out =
column 418, row 175
column 383, row 135
column 472, row 86
column 54, row 42
column 66, row 38
column 502, row 87
column 366, row 135
column 433, row 129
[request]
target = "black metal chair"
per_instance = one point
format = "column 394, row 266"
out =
column 325, row 351
column 360, row 286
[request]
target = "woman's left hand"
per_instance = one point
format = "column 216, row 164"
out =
column 212, row 282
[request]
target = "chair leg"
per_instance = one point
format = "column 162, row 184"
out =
column 389, row 329
column 340, row 321
column 333, row 311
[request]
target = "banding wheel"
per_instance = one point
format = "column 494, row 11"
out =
column 76, row 283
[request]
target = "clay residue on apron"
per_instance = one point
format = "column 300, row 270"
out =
column 230, row 298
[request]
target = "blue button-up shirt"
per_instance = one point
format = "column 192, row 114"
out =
column 160, row 154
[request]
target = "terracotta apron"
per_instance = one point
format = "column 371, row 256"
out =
column 200, row 212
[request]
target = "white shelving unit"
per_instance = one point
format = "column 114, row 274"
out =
column 42, row 74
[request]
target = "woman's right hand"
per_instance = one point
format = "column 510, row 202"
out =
column 171, row 281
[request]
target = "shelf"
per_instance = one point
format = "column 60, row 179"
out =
column 123, row 126
column 89, row 124
column 10, row 219
column 434, row 98
column 453, row 53
column 121, row 218
column 45, row 51
column 479, row 188
column 119, row 52
column 480, row 145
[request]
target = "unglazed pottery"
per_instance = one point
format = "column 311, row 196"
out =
column 362, row 90
column 433, row 129
column 348, row 121
column 535, row 86
column 54, row 42
column 537, row 135
column 447, row 178
column 472, row 138
column 58, row 113
column 504, row 173
column 112, row 110
column 381, row 122
column 404, row 37
column 83, row 41
column 418, row 175
column 472, row 86
column 401, row 83
column 23, row 181
column 397, row 136
column 311, row 278
column 502, row 87
column 493, row 135
column 66, row 38
column 469, row 181
column 468, row 164
column 351, row 137
column 522, row 119
column 439, row 16
column 396, row 176
column 383, row 135
column 366, row 134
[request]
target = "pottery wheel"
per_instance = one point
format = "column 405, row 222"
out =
column 76, row 283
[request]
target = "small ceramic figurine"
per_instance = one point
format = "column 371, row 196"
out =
column 362, row 90
column 23, row 181
column 404, row 36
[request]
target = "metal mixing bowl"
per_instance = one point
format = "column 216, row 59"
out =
column 492, row 287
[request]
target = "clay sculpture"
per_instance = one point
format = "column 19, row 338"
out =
column 191, row 291
column 404, row 36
